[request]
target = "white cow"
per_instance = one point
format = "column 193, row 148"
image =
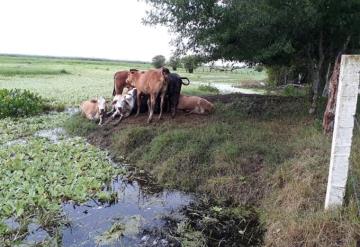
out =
column 123, row 105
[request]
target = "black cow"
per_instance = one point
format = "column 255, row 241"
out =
column 173, row 91
column 171, row 98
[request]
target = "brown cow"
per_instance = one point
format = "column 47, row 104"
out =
column 195, row 104
column 120, row 81
column 152, row 82
column 94, row 109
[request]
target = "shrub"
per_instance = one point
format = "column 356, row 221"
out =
column 174, row 62
column 158, row 61
column 17, row 102
column 208, row 88
column 191, row 62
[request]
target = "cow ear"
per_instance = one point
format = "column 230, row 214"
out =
column 93, row 101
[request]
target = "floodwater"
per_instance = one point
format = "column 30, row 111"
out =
column 226, row 88
column 135, row 211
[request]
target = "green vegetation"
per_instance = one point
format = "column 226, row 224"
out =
column 208, row 88
column 259, row 150
column 191, row 62
column 36, row 175
column 18, row 102
column 90, row 78
column 28, row 71
column 158, row 61
column 314, row 34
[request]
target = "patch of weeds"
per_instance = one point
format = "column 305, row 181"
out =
column 79, row 125
column 129, row 227
column 208, row 88
column 133, row 142
column 28, row 71
column 19, row 103
column 39, row 175
column 293, row 91
column 210, row 223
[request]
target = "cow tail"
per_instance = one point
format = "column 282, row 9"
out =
column 185, row 78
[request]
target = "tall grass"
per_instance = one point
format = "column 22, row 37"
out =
column 28, row 71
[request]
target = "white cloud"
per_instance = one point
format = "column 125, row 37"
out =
column 86, row 28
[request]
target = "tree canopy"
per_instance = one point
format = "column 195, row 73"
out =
column 305, row 33
column 158, row 61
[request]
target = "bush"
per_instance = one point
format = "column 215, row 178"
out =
column 17, row 102
column 174, row 62
column 191, row 62
column 208, row 88
column 158, row 61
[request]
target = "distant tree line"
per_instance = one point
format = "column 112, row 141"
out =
column 189, row 62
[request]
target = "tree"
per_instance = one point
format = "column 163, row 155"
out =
column 174, row 62
column 307, row 34
column 191, row 62
column 158, row 61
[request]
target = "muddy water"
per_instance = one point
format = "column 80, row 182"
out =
column 136, row 211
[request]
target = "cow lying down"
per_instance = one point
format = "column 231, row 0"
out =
column 195, row 104
column 94, row 109
column 123, row 105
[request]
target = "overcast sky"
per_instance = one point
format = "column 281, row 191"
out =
column 82, row 28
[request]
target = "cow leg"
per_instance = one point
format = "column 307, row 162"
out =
column 152, row 106
column 148, row 103
column 162, row 103
column 117, row 122
column 138, row 101
column 174, row 102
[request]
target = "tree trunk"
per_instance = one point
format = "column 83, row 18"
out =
column 329, row 114
column 317, row 76
column 326, row 88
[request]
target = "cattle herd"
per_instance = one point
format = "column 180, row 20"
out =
column 154, row 90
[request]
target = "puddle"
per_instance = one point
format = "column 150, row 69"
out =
column 53, row 135
column 225, row 88
column 72, row 110
column 20, row 141
column 93, row 223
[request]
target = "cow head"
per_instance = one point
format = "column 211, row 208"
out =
column 165, row 72
column 101, row 105
column 131, row 79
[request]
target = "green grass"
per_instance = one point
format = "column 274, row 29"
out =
column 26, row 71
column 70, row 81
column 261, row 151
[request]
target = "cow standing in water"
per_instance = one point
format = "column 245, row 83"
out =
column 153, row 83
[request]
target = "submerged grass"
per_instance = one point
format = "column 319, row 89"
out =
column 36, row 175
